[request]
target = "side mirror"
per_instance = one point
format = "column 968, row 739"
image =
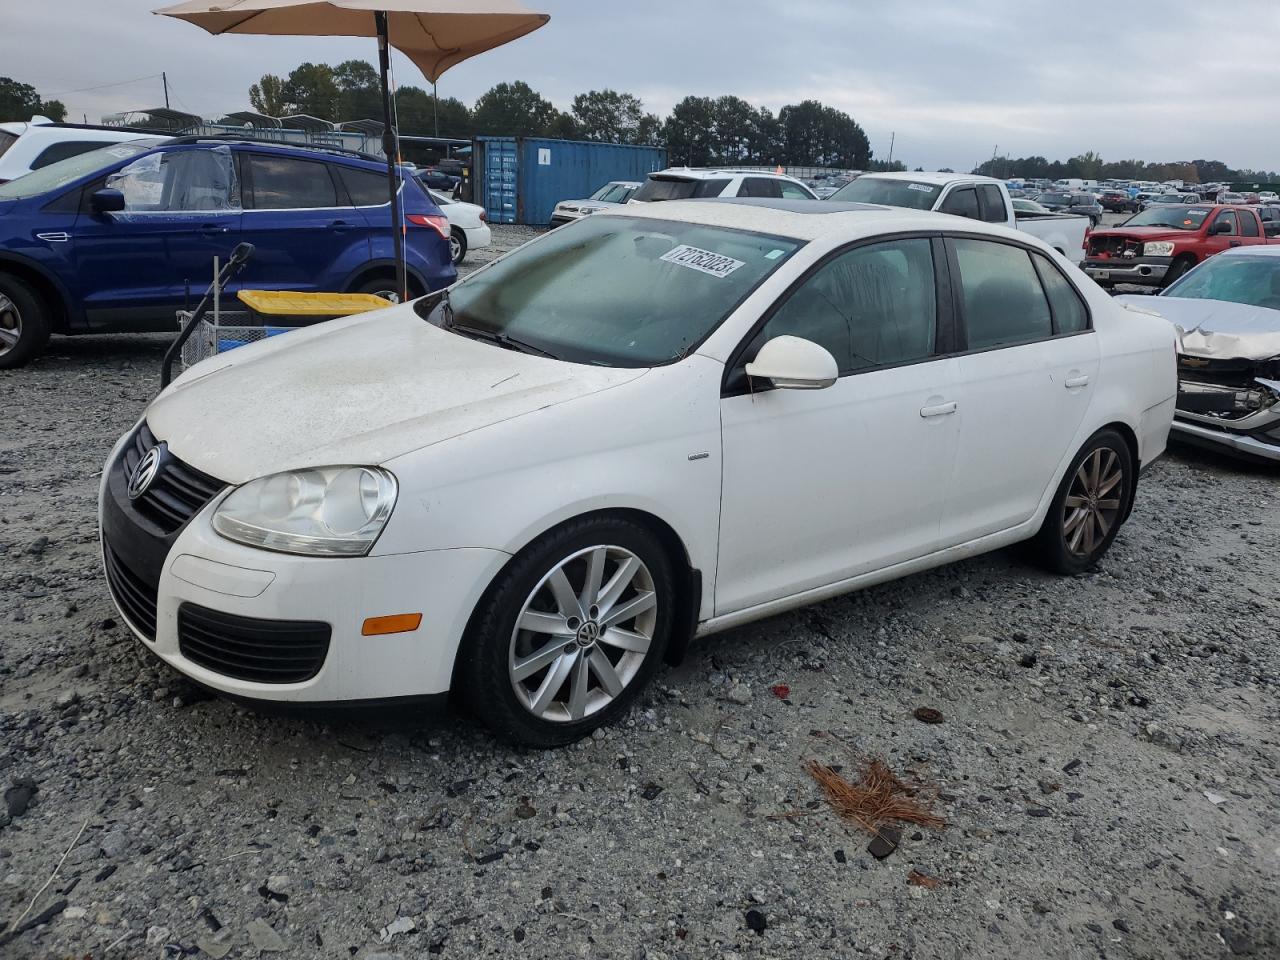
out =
column 1220, row 226
column 793, row 363
column 107, row 201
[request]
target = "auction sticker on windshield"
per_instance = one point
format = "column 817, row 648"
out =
column 704, row 261
column 922, row 187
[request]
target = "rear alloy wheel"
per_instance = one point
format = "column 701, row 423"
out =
column 570, row 633
column 385, row 287
column 1089, row 506
column 457, row 246
column 24, row 323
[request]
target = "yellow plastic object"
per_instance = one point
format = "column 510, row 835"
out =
column 287, row 303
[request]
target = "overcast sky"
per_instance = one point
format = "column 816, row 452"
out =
column 1150, row 79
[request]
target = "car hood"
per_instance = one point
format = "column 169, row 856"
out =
column 361, row 390
column 1217, row 329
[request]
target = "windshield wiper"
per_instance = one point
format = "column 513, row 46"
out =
column 504, row 340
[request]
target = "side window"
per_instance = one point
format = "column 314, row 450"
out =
column 181, row 181
column 793, row 191
column 1069, row 312
column 709, row 188
column 1248, row 224
column 759, row 187
column 1003, row 300
column 285, row 183
column 60, row 151
column 872, row 306
column 962, row 203
column 364, row 187
column 993, row 210
column 1229, row 218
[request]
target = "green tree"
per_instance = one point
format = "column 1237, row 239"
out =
column 563, row 127
column 312, row 89
column 512, row 110
column 608, row 116
column 359, row 90
column 19, row 101
column 416, row 110
column 823, row 136
column 267, row 96
column 689, row 132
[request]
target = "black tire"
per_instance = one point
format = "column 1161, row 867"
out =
column 484, row 676
column 458, row 245
column 385, row 287
column 1052, row 547
column 1179, row 267
column 24, row 322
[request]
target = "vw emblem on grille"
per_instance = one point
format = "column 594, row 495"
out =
column 146, row 471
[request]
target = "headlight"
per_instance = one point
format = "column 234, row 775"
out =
column 1158, row 248
column 587, row 210
column 323, row 511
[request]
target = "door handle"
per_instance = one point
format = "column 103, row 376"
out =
column 1234, row 243
column 212, row 228
column 938, row 409
column 340, row 226
column 1072, row 382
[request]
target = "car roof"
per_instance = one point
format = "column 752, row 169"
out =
column 935, row 178
column 802, row 219
column 708, row 173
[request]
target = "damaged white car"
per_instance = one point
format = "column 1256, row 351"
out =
column 1227, row 315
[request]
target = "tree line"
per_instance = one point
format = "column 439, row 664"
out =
column 19, row 101
column 1090, row 166
column 700, row 131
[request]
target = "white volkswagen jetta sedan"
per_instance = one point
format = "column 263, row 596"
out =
column 656, row 423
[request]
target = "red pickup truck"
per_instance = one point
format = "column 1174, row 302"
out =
column 1157, row 246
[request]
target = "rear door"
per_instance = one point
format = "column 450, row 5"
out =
column 304, row 230
column 1025, row 374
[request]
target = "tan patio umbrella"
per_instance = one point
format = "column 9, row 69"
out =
column 434, row 34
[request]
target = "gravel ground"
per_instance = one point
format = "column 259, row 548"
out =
column 1107, row 762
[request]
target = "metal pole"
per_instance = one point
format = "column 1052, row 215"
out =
column 435, row 107
column 164, row 78
column 893, row 135
column 391, row 147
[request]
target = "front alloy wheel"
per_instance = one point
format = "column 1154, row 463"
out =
column 569, row 633
column 583, row 634
column 1092, row 505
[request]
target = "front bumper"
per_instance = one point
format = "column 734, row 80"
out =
column 1143, row 271
column 197, row 567
column 1242, row 444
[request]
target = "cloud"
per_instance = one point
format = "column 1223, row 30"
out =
column 1152, row 79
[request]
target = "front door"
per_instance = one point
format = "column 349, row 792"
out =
column 136, row 267
column 1023, row 384
column 823, row 485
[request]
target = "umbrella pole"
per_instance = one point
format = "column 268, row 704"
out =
column 391, row 147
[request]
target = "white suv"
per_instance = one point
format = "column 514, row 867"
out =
column 29, row 146
column 684, row 183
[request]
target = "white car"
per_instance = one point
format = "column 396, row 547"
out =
column 533, row 488
column 29, row 146
column 468, row 225
column 613, row 194
column 688, row 183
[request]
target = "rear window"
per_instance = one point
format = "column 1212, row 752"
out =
column 366, row 188
column 675, row 188
column 890, row 193
column 60, row 151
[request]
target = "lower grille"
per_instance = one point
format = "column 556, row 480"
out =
column 135, row 597
column 245, row 648
column 1106, row 245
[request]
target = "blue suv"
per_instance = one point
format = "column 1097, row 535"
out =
column 117, row 239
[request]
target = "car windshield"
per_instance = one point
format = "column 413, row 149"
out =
column 891, row 193
column 613, row 193
column 611, row 290
column 1054, row 198
column 57, row 175
column 1251, row 280
column 1179, row 218
column 678, row 188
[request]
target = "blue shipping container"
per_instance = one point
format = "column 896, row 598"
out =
column 523, row 178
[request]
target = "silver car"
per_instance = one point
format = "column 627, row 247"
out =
column 1227, row 315
column 613, row 194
